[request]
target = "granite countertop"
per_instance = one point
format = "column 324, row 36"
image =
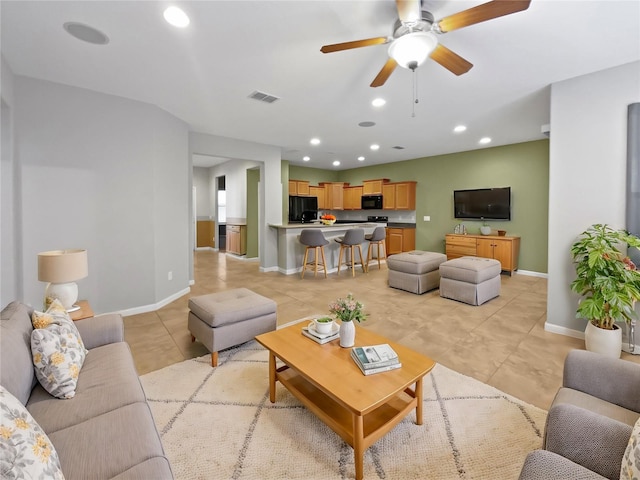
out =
column 336, row 226
column 401, row 225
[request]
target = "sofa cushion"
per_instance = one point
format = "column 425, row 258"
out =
column 108, row 381
column 631, row 460
column 15, row 350
column 470, row 269
column 25, row 449
column 107, row 445
column 231, row 306
column 57, row 350
column 596, row 405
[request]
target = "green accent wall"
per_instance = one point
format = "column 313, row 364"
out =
column 524, row 167
column 253, row 178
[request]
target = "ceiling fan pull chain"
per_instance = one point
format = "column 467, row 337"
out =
column 415, row 93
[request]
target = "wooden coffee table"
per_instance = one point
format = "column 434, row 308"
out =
column 361, row 409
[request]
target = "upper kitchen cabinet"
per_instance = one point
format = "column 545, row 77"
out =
column 334, row 195
column 373, row 187
column 353, row 198
column 399, row 196
column 298, row 187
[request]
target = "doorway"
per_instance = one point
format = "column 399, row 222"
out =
column 221, row 197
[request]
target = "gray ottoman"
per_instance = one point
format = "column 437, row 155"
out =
column 472, row 280
column 225, row 319
column 415, row 271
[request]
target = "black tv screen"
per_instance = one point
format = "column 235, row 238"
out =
column 483, row 203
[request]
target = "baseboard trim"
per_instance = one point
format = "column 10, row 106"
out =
column 568, row 332
column 532, row 274
column 155, row 306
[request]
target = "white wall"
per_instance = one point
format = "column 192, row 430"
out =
column 204, row 205
column 107, row 174
column 587, row 173
column 10, row 249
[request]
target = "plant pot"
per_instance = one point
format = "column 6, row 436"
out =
column 485, row 230
column 606, row 342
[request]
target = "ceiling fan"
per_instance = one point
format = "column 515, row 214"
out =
column 414, row 36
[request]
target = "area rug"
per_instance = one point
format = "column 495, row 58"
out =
column 218, row 423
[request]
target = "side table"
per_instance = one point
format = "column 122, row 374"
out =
column 84, row 312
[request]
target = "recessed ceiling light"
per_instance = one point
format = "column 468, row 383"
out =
column 378, row 102
column 315, row 141
column 366, row 124
column 375, row 146
column 460, row 128
column 176, row 17
column 86, row 33
column 484, row 140
column 306, row 158
column 336, row 163
column 361, row 159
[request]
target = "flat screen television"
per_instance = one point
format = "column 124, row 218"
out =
column 483, row 203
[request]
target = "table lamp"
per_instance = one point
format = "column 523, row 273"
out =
column 61, row 268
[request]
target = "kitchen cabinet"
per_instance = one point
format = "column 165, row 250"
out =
column 504, row 249
column 205, row 231
column 400, row 240
column 237, row 239
column 399, row 196
column 298, row 187
column 334, row 195
column 320, row 194
column 352, row 198
column 373, row 187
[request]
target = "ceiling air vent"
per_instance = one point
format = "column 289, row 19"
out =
column 263, row 97
column 398, row 147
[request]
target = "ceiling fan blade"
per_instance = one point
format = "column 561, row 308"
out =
column 450, row 60
column 481, row 13
column 385, row 73
column 408, row 10
column 337, row 47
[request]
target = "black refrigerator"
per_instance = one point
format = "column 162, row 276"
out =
column 302, row 209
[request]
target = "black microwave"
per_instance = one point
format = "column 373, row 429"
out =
column 371, row 202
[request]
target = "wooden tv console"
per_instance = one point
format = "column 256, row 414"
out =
column 504, row 249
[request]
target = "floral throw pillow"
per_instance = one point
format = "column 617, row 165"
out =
column 631, row 460
column 57, row 351
column 25, row 450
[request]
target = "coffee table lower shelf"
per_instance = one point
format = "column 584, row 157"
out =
column 359, row 431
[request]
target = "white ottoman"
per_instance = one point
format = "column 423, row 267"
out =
column 472, row 280
column 225, row 319
column 415, row 271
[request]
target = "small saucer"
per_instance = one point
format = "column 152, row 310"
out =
column 335, row 328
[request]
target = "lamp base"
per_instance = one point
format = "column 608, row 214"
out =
column 74, row 308
column 67, row 293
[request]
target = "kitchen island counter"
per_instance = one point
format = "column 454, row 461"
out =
column 291, row 251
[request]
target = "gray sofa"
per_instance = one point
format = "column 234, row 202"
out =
column 106, row 430
column 590, row 420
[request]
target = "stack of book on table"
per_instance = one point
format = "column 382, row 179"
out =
column 375, row 358
column 310, row 332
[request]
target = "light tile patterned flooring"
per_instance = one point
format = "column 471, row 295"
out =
column 502, row 343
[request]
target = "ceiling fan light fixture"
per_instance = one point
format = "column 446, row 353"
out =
column 411, row 50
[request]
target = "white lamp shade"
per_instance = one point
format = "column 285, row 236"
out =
column 412, row 49
column 62, row 266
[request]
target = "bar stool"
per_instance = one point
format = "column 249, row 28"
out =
column 313, row 238
column 377, row 238
column 353, row 238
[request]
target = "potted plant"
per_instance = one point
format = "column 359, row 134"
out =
column 347, row 310
column 485, row 229
column 609, row 283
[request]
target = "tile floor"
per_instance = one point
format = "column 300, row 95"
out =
column 502, row 343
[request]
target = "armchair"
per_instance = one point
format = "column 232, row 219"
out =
column 590, row 420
